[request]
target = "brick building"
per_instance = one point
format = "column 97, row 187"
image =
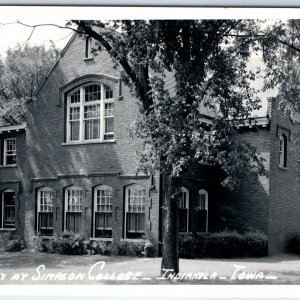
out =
column 73, row 166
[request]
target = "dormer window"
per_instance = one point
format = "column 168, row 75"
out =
column 9, row 153
column 90, row 113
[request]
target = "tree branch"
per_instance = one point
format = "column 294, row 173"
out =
column 292, row 46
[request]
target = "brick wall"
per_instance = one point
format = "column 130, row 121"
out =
column 246, row 207
column 10, row 176
column 284, row 208
column 53, row 163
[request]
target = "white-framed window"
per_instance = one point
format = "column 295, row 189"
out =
column 202, row 211
column 45, row 198
column 73, row 208
column 88, row 47
column 283, row 151
column 8, row 209
column 183, row 210
column 90, row 113
column 103, row 198
column 9, row 151
column 135, row 211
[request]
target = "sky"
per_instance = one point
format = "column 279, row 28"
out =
column 12, row 33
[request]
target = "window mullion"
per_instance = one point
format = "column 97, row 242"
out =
column 4, row 154
column 81, row 122
column 68, row 119
column 102, row 111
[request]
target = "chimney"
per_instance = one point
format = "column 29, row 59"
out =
column 271, row 101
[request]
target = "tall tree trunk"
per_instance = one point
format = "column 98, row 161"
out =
column 170, row 258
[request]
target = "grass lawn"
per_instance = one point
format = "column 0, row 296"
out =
column 21, row 268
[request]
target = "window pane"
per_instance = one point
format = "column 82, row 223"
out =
column 74, row 113
column 201, row 201
column 108, row 92
column 74, row 200
column 136, row 200
column 109, row 125
column 92, row 93
column 75, row 98
column 182, row 221
column 92, row 122
column 202, row 217
column 46, row 201
column 73, row 222
column 10, row 151
column 135, row 222
column 74, row 130
column 9, row 210
column 140, row 226
column 104, row 201
column 183, row 200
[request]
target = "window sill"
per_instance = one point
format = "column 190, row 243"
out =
column 9, row 166
column 88, row 58
column 88, row 142
column 283, row 168
column 7, row 229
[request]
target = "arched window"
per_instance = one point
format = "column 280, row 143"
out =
column 183, row 210
column 283, row 151
column 45, row 211
column 8, row 209
column 135, row 211
column 90, row 113
column 202, row 211
column 73, row 208
column 103, row 211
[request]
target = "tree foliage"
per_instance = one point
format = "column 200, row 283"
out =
column 280, row 42
column 180, row 70
column 21, row 72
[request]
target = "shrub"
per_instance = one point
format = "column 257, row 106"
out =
column 293, row 244
column 226, row 244
column 40, row 244
column 5, row 238
column 100, row 247
column 133, row 248
column 148, row 249
column 192, row 246
column 255, row 244
column 69, row 243
column 223, row 245
column 14, row 244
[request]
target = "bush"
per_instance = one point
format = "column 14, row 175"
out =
column 100, row 247
column 192, row 246
column 223, row 245
column 15, row 244
column 69, row 243
column 40, row 244
column 293, row 244
column 11, row 242
column 133, row 248
column 255, row 244
column 227, row 244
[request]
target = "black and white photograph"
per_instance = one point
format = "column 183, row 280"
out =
column 145, row 149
